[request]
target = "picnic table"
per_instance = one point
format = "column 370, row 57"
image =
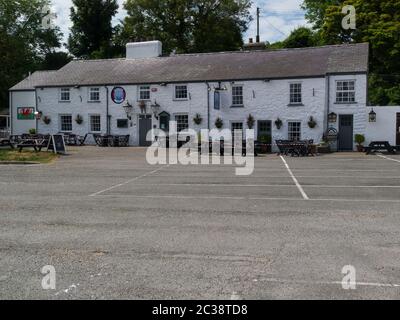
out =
column 6, row 142
column 36, row 144
column 111, row 140
column 302, row 148
column 376, row 146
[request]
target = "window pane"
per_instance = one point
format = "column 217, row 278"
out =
column 64, row 95
column 66, row 123
column 182, row 122
column 94, row 94
column 237, row 96
column 181, row 92
column 345, row 91
column 144, row 93
column 294, row 131
column 295, row 93
column 95, row 123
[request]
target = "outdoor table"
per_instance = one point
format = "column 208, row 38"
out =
column 380, row 146
column 6, row 142
column 36, row 144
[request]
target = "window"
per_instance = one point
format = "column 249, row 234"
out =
column 237, row 96
column 94, row 94
column 182, row 122
column 144, row 93
column 294, row 131
column 217, row 100
column 66, row 123
column 181, row 92
column 295, row 93
column 345, row 91
column 95, row 123
column 65, row 94
column 122, row 123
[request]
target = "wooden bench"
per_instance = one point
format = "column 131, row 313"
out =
column 37, row 145
column 376, row 146
column 6, row 143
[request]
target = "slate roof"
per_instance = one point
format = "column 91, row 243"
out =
column 224, row 66
column 36, row 79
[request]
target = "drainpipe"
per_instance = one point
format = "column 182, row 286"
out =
column 107, row 112
column 10, row 112
column 36, row 110
column 208, row 105
column 327, row 100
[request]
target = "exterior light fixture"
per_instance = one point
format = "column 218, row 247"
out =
column 332, row 117
column 156, row 109
column 38, row 115
column 372, row 116
column 219, row 88
column 128, row 110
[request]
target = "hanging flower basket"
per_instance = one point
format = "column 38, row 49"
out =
column 79, row 119
column 250, row 121
column 219, row 123
column 278, row 123
column 312, row 123
column 198, row 119
column 46, row 120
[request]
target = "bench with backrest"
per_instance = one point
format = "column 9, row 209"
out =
column 376, row 146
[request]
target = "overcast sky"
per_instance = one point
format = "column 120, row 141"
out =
column 278, row 18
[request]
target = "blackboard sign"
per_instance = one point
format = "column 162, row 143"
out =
column 57, row 144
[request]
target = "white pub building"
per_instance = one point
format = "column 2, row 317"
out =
column 291, row 94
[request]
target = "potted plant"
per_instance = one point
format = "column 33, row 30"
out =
column 360, row 139
column 278, row 123
column 219, row 123
column 198, row 119
column 250, row 121
column 79, row 119
column 32, row 131
column 312, row 123
column 47, row 120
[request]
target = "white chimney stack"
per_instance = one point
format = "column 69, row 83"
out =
column 139, row 50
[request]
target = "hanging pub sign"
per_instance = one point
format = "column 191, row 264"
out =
column 332, row 134
column 118, row 95
column 26, row 113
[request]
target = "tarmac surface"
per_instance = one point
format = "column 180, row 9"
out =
column 115, row 227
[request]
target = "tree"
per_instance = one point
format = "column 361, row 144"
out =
column 24, row 41
column 92, row 31
column 300, row 38
column 188, row 26
column 378, row 22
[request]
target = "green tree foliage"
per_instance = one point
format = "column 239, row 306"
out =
column 24, row 43
column 300, row 38
column 92, row 32
column 187, row 25
column 378, row 22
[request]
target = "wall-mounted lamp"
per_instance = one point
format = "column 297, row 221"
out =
column 38, row 115
column 163, row 84
column 219, row 88
column 372, row 116
column 332, row 117
column 155, row 108
column 128, row 110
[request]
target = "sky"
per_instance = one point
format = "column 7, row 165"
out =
column 278, row 18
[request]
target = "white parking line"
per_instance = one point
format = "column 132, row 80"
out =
column 387, row 158
column 127, row 182
column 260, row 185
column 361, row 284
column 295, row 180
column 172, row 196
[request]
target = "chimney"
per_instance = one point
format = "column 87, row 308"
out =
column 140, row 50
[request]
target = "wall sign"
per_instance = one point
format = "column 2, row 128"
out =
column 57, row 144
column 26, row 113
column 118, row 95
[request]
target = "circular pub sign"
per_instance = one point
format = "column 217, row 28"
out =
column 118, row 95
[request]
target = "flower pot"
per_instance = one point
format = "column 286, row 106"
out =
column 360, row 148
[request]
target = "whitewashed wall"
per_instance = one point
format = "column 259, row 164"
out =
column 21, row 99
column 384, row 129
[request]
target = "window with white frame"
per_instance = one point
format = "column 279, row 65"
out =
column 144, row 93
column 294, row 131
column 95, row 123
column 345, row 91
column 181, row 92
column 66, row 123
column 295, row 93
column 182, row 122
column 65, row 94
column 94, row 94
column 237, row 96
